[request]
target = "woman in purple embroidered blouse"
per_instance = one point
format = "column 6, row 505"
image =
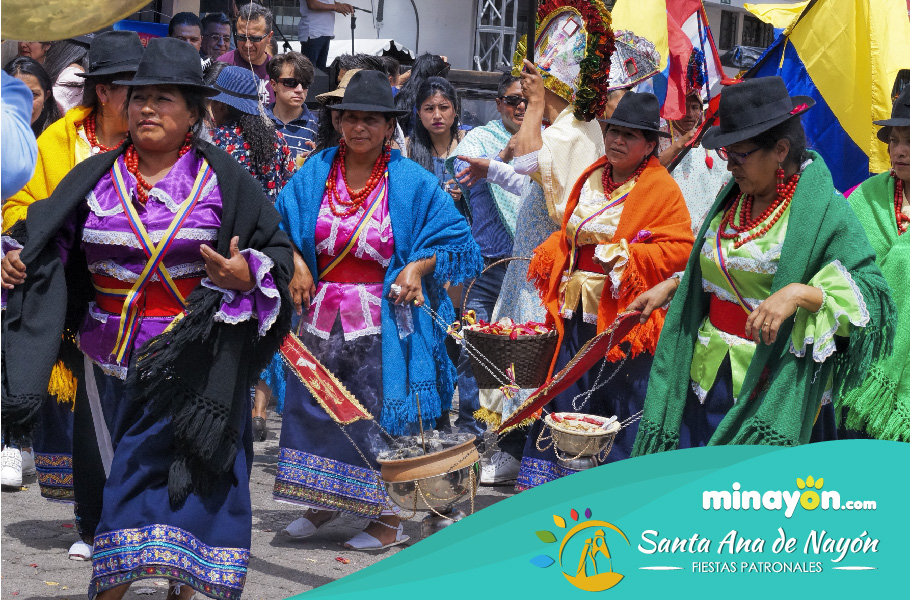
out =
column 146, row 243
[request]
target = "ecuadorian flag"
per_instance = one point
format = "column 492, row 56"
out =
column 675, row 28
column 846, row 55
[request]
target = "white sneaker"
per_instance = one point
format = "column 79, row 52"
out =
column 80, row 551
column 28, row 462
column 11, row 467
column 502, row 468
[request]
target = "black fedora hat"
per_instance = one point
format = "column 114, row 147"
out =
column 113, row 52
column 900, row 115
column 369, row 91
column 638, row 110
column 751, row 107
column 169, row 61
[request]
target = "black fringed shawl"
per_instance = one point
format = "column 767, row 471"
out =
column 198, row 374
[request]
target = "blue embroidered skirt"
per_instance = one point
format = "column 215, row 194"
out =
column 205, row 543
column 52, row 443
column 623, row 396
column 318, row 465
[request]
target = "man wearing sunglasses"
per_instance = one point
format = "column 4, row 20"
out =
column 253, row 36
column 481, row 165
column 292, row 74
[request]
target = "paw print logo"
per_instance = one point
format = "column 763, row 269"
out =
column 809, row 499
column 589, row 575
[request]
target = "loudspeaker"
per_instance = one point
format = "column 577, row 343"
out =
column 320, row 85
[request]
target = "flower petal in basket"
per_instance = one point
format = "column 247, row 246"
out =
column 594, row 350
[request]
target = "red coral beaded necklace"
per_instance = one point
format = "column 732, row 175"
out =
column 90, row 132
column 611, row 186
column 903, row 221
column 131, row 158
column 746, row 223
column 345, row 208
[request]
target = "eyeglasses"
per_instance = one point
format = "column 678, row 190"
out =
column 226, row 39
column 249, row 38
column 737, row 158
column 291, row 82
column 514, row 101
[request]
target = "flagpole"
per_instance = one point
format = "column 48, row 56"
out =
column 531, row 29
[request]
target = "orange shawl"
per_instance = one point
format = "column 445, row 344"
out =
column 655, row 204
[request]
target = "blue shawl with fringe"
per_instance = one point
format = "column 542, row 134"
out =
column 424, row 223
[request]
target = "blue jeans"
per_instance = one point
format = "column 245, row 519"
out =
column 482, row 299
column 317, row 50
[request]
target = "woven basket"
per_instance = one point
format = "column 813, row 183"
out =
column 531, row 354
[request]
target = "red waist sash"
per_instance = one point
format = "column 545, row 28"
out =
column 352, row 270
column 729, row 317
column 156, row 300
column 586, row 260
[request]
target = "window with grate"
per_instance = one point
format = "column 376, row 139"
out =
column 727, row 38
column 757, row 33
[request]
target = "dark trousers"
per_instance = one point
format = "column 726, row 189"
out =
column 317, row 50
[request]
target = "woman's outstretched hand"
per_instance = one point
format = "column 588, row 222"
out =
column 228, row 273
column 657, row 296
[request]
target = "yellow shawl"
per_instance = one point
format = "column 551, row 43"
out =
column 59, row 150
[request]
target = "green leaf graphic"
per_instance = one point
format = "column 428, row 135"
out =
column 546, row 537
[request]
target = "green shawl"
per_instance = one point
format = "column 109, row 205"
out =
column 781, row 393
column 881, row 405
column 486, row 142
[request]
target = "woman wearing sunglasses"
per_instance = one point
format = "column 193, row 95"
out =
column 781, row 301
column 880, row 408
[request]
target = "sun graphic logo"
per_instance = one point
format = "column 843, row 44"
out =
column 594, row 570
column 809, row 498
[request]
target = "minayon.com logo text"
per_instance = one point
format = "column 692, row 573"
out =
column 808, row 495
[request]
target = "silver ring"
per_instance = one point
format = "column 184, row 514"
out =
column 396, row 288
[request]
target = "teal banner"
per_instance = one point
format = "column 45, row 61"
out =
column 827, row 520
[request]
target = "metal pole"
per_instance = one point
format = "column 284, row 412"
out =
column 531, row 29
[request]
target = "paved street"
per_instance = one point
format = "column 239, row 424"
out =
column 36, row 534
